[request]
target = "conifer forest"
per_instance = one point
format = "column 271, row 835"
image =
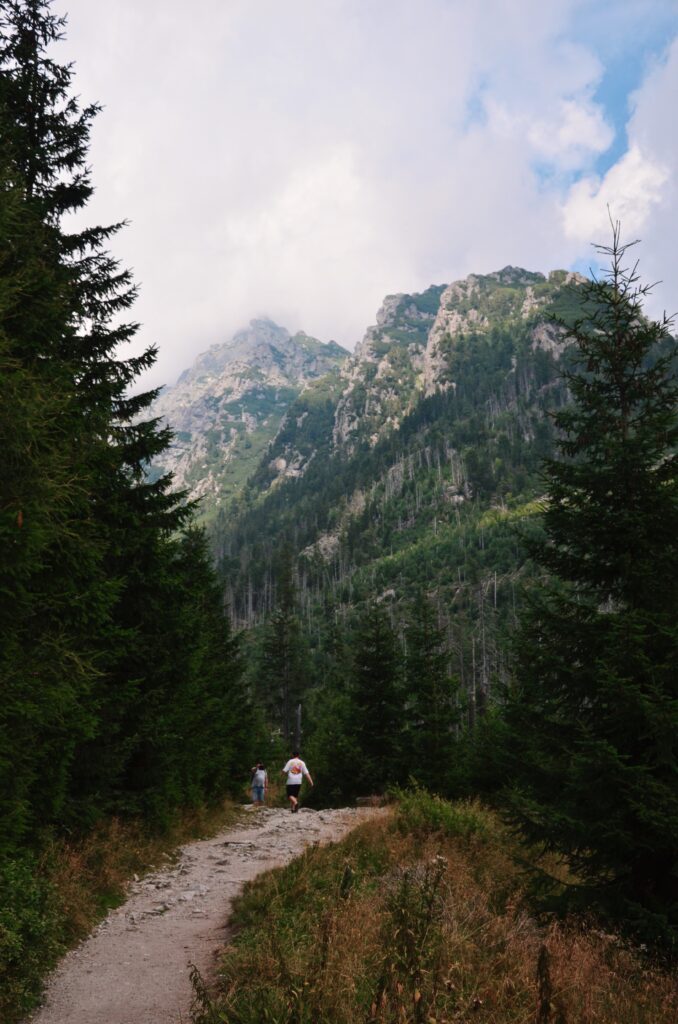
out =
column 443, row 565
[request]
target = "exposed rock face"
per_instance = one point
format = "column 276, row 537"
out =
column 406, row 355
column 228, row 406
column 382, row 379
column 270, row 402
column 326, row 547
column 280, row 356
column 549, row 337
column 453, row 318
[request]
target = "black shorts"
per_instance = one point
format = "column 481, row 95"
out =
column 293, row 790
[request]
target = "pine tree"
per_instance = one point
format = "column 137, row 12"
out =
column 220, row 714
column 69, row 339
column 54, row 597
column 92, row 559
column 191, row 719
column 331, row 742
column 594, row 714
column 431, row 710
column 377, row 712
column 284, row 668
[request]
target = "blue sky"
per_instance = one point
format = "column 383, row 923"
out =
column 630, row 38
column 302, row 160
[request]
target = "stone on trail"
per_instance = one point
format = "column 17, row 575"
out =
column 134, row 968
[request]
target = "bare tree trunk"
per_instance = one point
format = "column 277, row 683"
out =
column 297, row 728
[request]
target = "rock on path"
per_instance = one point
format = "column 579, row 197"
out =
column 134, row 967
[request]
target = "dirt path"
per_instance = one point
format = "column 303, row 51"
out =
column 133, row 969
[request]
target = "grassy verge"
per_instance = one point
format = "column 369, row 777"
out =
column 418, row 919
column 49, row 903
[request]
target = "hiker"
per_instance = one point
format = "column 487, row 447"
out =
column 259, row 784
column 295, row 770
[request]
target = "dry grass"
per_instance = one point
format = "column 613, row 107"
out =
column 91, row 875
column 397, row 927
column 49, row 905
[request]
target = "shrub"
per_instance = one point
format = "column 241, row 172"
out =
column 30, row 933
column 422, row 813
column 50, row 902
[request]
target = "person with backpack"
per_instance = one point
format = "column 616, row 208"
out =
column 296, row 770
column 259, row 784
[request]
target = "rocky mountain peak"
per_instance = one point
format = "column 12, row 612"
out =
column 226, row 408
column 406, row 355
column 516, row 276
column 389, row 308
column 240, row 407
column 263, row 343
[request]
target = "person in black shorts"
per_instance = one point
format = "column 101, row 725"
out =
column 296, row 770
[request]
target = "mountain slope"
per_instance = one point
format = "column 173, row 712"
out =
column 478, row 357
column 421, row 341
column 228, row 406
column 414, row 462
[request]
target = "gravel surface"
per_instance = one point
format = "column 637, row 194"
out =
column 134, row 968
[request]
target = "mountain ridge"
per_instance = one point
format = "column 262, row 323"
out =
column 226, row 407
column 234, row 411
column 405, row 356
column 389, row 462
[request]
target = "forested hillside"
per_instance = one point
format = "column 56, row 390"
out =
column 416, row 463
column 393, row 453
column 469, row 586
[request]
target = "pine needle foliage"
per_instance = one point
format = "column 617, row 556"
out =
column 377, row 704
column 593, row 718
column 105, row 694
column 432, row 711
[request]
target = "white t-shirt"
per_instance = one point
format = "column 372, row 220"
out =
column 259, row 777
column 295, row 769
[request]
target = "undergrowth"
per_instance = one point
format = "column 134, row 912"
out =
column 49, row 901
column 417, row 918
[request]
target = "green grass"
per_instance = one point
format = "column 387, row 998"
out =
column 50, row 900
column 417, row 918
column 421, row 813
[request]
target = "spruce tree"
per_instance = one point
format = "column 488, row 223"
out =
column 54, row 597
column 377, row 712
column 593, row 717
column 91, row 561
column 430, row 694
column 191, row 719
column 331, row 742
column 284, row 668
column 98, row 554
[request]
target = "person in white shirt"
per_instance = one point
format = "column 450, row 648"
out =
column 296, row 770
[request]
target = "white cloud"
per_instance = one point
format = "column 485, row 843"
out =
column 641, row 188
column 630, row 189
column 651, row 128
column 303, row 159
column 576, row 131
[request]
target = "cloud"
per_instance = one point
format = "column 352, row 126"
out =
column 640, row 189
column 576, row 131
column 630, row 189
column 301, row 160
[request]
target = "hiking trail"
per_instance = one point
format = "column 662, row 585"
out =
column 134, row 967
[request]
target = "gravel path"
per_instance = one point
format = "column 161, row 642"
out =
column 133, row 969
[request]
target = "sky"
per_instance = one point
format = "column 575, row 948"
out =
column 301, row 159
